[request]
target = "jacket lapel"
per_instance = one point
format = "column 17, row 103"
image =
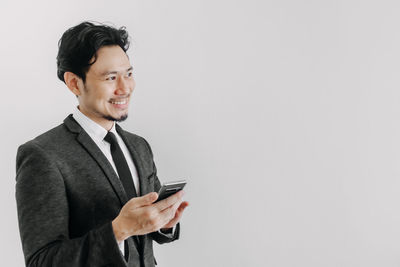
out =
column 84, row 139
column 138, row 160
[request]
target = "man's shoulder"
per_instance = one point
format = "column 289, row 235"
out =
column 132, row 136
column 58, row 132
column 136, row 140
column 129, row 135
column 55, row 137
column 46, row 145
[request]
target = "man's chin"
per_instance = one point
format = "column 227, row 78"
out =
column 111, row 118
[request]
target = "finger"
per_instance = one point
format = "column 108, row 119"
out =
column 169, row 213
column 178, row 215
column 143, row 200
column 178, row 208
column 172, row 222
column 166, row 203
column 183, row 206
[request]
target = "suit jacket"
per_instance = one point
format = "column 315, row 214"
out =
column 68, row 194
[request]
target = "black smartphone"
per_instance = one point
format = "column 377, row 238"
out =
column 170, row 188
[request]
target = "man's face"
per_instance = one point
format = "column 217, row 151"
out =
column 108, row 87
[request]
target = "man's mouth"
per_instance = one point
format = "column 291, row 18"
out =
column 119, row 101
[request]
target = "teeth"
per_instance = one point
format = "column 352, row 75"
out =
column 119, row 102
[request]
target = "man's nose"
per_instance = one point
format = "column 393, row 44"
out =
column 123, row 86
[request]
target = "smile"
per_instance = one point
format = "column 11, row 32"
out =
column 120, row 102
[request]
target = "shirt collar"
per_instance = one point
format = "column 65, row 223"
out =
column 92, row 128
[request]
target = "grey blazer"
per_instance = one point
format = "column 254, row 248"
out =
column 68, row 194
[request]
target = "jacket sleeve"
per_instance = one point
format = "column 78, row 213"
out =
column 157, row 236
column 43, row 216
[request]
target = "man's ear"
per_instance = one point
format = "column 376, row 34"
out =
column 73, row 82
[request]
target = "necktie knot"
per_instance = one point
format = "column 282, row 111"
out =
column 111, row 139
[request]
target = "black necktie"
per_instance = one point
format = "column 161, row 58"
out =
column 124, row 174
column 122, row 167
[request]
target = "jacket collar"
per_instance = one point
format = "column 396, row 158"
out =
column 85, row 140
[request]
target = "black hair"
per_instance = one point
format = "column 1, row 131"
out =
column 79, row 44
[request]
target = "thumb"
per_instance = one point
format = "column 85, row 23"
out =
column 144, row 200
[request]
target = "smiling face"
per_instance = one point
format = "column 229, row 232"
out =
column 104, row 96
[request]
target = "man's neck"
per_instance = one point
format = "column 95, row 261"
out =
column 106, row 124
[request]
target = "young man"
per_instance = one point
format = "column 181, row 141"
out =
column 86, row 189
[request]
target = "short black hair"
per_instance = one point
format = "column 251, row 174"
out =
column 79, row 44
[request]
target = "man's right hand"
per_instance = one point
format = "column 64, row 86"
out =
column 140, row 215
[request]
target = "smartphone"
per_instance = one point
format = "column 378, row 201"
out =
column 170, row 188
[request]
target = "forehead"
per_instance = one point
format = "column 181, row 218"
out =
column 110, row 58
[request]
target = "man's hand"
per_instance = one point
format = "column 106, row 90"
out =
column 140, row 215
column 178, row 215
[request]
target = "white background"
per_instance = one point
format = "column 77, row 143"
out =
column 284, row 117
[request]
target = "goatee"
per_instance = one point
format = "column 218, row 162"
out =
column 110, row 118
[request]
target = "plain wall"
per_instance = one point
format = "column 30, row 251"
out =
column 283, row 116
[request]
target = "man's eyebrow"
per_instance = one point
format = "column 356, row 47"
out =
column 115, row 72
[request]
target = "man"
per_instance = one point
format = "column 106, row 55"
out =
column 85, row 190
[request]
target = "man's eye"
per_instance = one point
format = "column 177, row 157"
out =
column 129, row 74
column 111, row 78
